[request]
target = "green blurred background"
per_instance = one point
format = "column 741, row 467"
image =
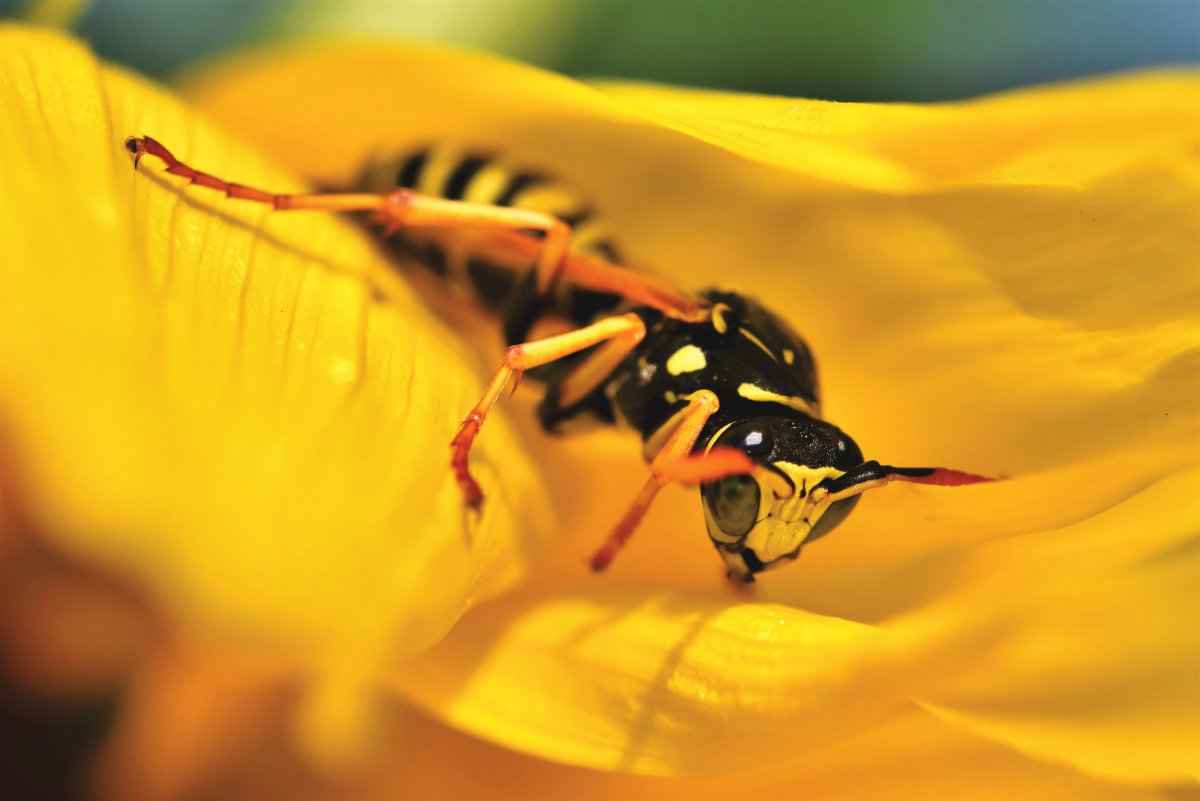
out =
column 836, row 49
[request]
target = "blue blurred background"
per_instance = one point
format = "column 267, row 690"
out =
column 836, row 49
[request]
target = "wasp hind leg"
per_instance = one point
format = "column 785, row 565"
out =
column 395, row 210
column 500, row 230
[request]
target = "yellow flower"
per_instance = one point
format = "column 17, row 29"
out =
column 206, row 396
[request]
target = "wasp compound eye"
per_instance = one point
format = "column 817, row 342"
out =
column 733, row 504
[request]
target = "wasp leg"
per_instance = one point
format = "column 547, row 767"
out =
column 564, row 394
column 675, row 462
column 403, row 208
column 870, row 475
column 590, row 271
column 394, row 210
column 519, row 358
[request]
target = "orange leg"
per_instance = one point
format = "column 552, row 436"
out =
column 406, row 209
column 510, row 241
column 597, row 367
column 519, row 358
column 394, row 210
column 675, row 462
column 589, row 271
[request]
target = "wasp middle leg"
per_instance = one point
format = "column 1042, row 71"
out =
column 622, row 333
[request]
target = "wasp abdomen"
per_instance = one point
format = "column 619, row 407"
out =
column 462, row 256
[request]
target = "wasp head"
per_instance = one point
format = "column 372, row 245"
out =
column 761, row 521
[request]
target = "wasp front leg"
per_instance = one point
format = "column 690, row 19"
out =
column 675, row 462
column 623, row 332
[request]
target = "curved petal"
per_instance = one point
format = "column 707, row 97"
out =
column 911, row 754
column 209, row 396
column 657, row 683
column 1007, row 285
column 1078, row 645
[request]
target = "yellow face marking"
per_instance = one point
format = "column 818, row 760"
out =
column 687, row 359
column 718, row 318
column 789, row 357
column 670, row 397
column 753, row 392
column 804, row 478
column 783, row 520
column 748, row 334
column 786, row 522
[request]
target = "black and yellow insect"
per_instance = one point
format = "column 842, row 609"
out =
column 723, row 393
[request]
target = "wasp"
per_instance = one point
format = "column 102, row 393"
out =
column 722, row 391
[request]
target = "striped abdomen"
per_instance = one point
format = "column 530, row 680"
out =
column 459, row 174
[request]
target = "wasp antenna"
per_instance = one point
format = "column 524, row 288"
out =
column 943, row 476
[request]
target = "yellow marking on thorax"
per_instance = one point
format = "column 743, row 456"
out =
column 718, row 318
column 748, row 334
column 805, row 477
column 753, row 392
column 687, row 359
column 789, row 356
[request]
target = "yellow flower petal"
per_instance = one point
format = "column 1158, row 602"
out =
column 1007, row 285
column 207, row 396
column 656, row 683
column 912, row 754
column 1078, row 645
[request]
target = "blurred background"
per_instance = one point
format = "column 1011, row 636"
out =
column 833, row 49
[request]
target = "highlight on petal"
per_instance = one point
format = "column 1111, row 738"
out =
column 660, row 684
column 1008, row 286
column 209, row 397
column 911, row 754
